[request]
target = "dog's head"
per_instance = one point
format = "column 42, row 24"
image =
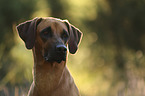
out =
column 51, row 37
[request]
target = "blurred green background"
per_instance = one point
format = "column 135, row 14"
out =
column 111, row 56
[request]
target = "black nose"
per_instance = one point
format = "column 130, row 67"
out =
column 61, row 48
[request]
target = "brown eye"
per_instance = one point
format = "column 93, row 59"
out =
column 45, row 33
column 64, row 36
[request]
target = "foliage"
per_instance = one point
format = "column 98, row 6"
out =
column 110, row 60
column 11, row 12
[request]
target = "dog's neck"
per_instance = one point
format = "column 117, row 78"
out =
column 48, row 75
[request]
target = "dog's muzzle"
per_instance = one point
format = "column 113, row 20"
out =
column 57, row 55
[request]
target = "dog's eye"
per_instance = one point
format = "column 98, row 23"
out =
column 46, row 33
column 64, row 35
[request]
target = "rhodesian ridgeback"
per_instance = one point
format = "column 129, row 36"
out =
column 48, row 38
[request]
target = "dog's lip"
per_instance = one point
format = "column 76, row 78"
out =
column 58, row 60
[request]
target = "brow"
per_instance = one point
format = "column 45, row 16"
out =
column 48, row 29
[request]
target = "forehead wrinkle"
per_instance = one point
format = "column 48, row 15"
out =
column 42, row 25
column 56, row 25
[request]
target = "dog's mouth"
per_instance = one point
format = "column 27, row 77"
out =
column 56, row 54
column 55, row 58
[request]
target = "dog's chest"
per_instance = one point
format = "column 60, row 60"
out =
column 48, row 77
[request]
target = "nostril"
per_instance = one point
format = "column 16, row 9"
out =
column 61, row 48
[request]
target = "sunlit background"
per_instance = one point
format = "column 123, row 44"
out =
column 111, row 57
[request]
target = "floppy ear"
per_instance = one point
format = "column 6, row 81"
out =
column 27, row 31
column 74, row 38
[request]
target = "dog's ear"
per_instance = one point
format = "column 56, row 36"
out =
column 74, row 38
column 27, row 31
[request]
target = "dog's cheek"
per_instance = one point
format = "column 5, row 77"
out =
column 47, row 47
column 43, row 53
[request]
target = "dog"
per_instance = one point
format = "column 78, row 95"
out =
column 50, row 38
